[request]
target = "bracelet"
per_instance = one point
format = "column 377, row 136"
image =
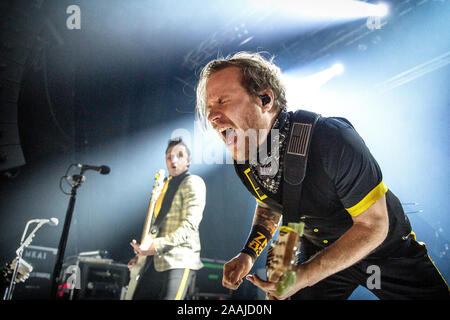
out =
column 257, row 241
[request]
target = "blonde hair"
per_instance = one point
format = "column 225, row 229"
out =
column 257, row 74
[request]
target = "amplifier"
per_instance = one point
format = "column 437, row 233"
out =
column 95, row 279
column 38, row 285
column 208, row 283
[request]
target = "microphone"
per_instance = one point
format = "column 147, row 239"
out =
column 76, row 178
column 51, row 221
column 102, row 169
column 26, row 242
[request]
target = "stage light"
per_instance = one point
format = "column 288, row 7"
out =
column 304, row 90
column 381, row 10
column 337, row 69
column 331, row 9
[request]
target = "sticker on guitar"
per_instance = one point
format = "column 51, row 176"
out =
column 282, row 256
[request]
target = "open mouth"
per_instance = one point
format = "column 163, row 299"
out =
column 229, row 135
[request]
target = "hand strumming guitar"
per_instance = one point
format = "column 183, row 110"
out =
column 145, row 249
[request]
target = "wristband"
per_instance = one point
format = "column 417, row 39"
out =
column 257, row 241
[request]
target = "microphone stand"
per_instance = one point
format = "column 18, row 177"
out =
column 19, row 252
column 78, row 180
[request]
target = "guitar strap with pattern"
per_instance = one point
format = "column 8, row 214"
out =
column 294, row 170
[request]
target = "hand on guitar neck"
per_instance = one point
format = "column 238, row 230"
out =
column 283, row 278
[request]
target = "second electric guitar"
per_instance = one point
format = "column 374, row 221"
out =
column 136, row 272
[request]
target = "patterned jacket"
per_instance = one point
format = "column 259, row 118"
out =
column 177, row 243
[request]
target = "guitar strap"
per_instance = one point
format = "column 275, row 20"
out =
column 172, row 188
column 294, row 167
column 295, row 162
column 294, row 170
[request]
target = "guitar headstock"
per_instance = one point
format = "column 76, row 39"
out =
column 282, row 256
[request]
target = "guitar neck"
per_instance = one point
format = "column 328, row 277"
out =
column 148, row 219
column 282, row 256
column 156, row 192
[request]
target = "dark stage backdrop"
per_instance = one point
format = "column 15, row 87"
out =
column 115, row 90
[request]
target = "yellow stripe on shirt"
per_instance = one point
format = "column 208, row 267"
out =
column 368, row 200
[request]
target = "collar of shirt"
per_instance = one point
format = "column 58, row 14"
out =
column 265, row 159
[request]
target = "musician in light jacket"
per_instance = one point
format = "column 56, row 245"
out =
column 175, row 241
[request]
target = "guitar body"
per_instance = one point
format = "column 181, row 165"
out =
column 282, row 256
column 135, row 275
column 138, row 268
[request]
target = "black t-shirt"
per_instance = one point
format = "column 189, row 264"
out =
column 342, row 180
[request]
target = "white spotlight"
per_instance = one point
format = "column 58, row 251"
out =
column 381, row 10
column 306, row 90
column 327, row 9
column 338, row 68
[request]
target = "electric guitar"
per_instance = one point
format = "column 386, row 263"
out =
column 136, row 272
column 282, row 256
